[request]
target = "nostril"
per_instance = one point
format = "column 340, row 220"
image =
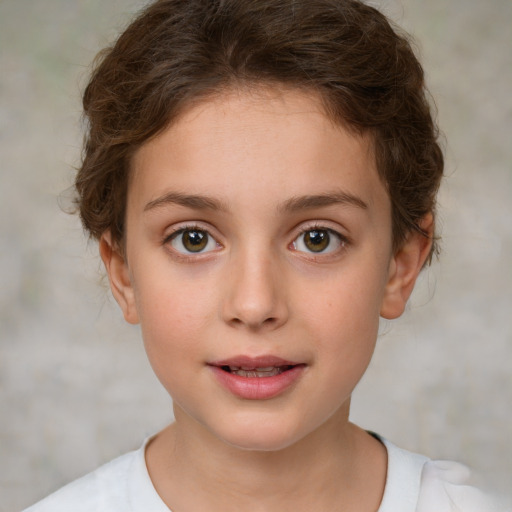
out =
column 254, row 303
column 255, row 324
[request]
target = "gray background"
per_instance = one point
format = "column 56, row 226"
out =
column 75, row 387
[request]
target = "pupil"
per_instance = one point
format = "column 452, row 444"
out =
column 194, row 241
column 316, row 240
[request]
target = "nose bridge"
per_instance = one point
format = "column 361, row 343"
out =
column 255, row 296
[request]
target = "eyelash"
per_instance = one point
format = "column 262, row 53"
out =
column 295, row 245
column 175, row 235
column 342, row 240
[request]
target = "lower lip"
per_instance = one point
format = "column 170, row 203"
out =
column 258, row 388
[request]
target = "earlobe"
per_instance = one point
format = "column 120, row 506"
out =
column 405, row 267
column 119, row 277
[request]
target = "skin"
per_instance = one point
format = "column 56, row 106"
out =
column 257, row 289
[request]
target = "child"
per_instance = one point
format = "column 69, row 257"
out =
column 261, row 176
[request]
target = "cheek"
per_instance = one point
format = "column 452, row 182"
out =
column 346, row 302
column 342, row 318
column 172, row 316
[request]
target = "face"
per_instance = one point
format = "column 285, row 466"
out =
column 258, row 258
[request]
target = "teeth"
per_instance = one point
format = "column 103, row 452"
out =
column 251, row 368
column 269, row 371
column 248, row 368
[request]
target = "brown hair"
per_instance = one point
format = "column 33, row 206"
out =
column 179, row 51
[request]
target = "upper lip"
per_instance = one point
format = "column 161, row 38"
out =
column 244, row 361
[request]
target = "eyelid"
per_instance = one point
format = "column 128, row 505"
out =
column 177, row 229
column 344, row 239
column 191, row 225
column 324, row 225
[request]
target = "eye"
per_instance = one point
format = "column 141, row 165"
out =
column 318, row 240
column 192, row 240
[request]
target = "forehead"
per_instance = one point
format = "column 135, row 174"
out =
column 251, row 144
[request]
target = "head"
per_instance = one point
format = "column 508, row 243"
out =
column 178, row 53
column 261, row 173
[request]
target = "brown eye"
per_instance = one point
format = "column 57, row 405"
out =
column 194, row 241
column 188, row 241
column 318, row 241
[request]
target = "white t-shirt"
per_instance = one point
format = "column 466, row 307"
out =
column 414, row 484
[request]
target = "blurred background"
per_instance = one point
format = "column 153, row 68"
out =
column 75, row 387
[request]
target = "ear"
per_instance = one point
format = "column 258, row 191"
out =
column 405, row 267
column 119, row 277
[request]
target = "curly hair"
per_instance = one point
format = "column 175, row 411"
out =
column 180, row 51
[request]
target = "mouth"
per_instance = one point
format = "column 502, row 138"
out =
column 257, row 378
column 254, row 372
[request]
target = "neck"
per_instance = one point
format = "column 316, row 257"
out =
column 337, row 466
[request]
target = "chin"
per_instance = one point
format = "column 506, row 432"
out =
column 261, row 443
column 259, row 436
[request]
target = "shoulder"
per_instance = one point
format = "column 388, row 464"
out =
column 121, row 485
column 416, row 483
column 95, row 491
column 445, row 486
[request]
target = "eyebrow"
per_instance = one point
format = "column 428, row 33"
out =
column 320, row 200
column 193, row 201
column 294, row 204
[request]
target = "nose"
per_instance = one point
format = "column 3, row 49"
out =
column 255, row 295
